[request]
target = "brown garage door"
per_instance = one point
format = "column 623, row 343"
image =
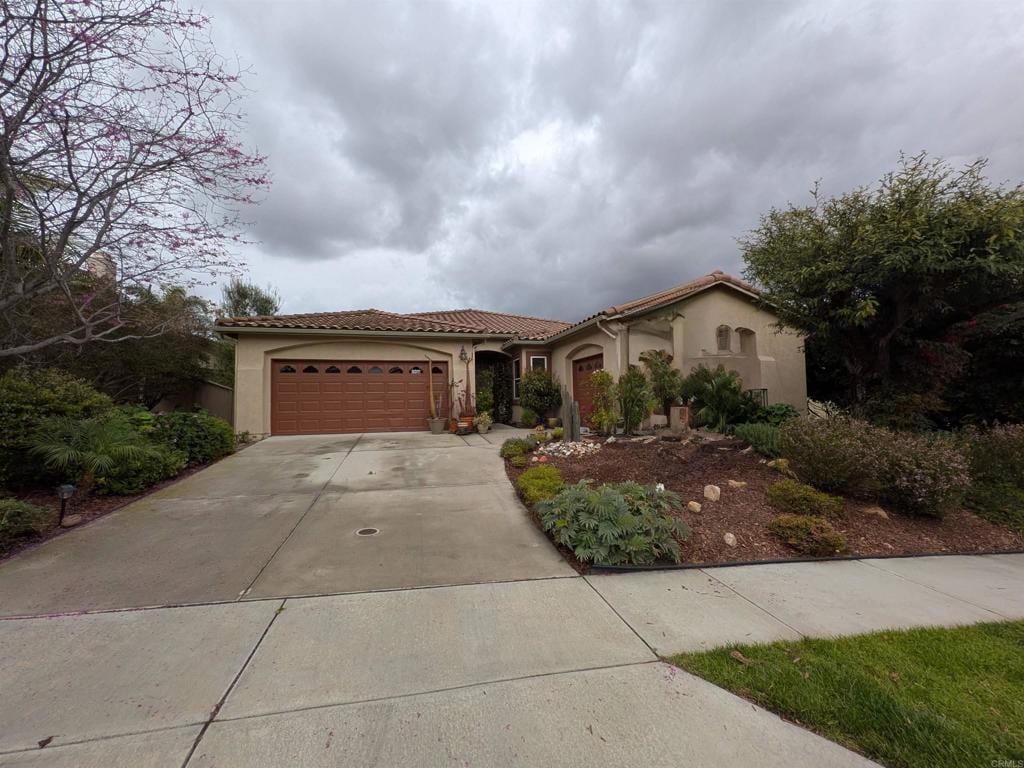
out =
column 582, row 390
column 310, row 397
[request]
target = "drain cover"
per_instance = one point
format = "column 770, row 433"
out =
column 367, row 532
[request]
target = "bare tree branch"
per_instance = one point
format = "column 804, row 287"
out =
column 119, row 153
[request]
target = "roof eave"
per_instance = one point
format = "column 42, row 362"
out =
column 342, row 332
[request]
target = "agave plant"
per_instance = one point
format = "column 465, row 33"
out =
column 84, row 449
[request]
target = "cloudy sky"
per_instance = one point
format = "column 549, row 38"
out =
column 552, row 158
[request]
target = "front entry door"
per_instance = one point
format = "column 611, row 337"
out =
column 582, row 389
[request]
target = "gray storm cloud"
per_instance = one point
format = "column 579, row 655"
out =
column 552, row 158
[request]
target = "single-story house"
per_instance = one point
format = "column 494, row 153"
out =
column 372, row 371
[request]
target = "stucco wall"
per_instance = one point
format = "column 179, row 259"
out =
column 778, row 364
column 770, row 359
column 254, row 352
column 585, row 344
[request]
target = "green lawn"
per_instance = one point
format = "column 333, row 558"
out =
column 924, row 697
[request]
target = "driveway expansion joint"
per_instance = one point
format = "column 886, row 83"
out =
column 430, row 692
column 227, row 692
column 298, row 522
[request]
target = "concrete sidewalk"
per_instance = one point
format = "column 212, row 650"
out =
column 698, row 609
column 537, row 673
column 549, row 672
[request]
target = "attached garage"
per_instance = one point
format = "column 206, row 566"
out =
column 310, row 397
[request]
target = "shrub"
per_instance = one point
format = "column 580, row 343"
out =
column 19, row 519
column 776, row 414
column 615, row 524
column 529, row 418
column 808, row 535
column 834, row 454
column 515, row 446
column 666, row 381
column 795, row 498
column 539, row 483
column 763, row 437
column 83, row 450
column 1001, row 503
column 485, row 391
column 519, row 460
column 539, row 392
column 558, row 433
column 996, row 455
column 717, row 397
column 636, row 401
column 136, row 475
column 200, row 436
column 603, row 416
column 920, row 474
column 27, row 398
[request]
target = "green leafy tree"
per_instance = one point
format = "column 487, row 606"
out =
column 167, row 347
column 666, row 381
column 636, row 400
column 240, row 298
column 539, row 392
column 883, row 280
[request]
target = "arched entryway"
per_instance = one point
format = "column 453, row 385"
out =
column 494, row 385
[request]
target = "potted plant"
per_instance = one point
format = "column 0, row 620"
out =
column 437, row 423
column 483, row 422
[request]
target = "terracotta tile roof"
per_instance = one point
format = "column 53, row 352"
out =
column 474, row 321
column 522, row 326
column 669, row 296
column 351, row 320
column 678, row 292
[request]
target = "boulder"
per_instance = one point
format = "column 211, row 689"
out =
column 877, row 512
column 70, row 521
column 693, row 506
column 730, row 539
column 712, row 492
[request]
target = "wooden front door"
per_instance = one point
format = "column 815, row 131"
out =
column 312, row 397
column 582, row 390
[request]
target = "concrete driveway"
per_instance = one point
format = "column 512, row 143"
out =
column 518, row 662
column 280, row 517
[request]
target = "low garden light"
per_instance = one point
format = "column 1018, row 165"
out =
column 64, row 492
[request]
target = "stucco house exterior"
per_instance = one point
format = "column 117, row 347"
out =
column 373, row 371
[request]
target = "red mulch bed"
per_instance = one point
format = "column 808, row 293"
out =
column 89, row 506
column 686, row 468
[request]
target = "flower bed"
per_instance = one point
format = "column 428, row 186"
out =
column 745, row 512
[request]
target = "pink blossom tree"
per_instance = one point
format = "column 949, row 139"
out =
column 120, row 163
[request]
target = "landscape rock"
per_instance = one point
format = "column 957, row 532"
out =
column 70, row 521
column 730, row 539
column 877, row 512
column 693, row 506
column 567, row 450
column 611, row 439
column 712, row 492
column 737, row 484
column 782, row 466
